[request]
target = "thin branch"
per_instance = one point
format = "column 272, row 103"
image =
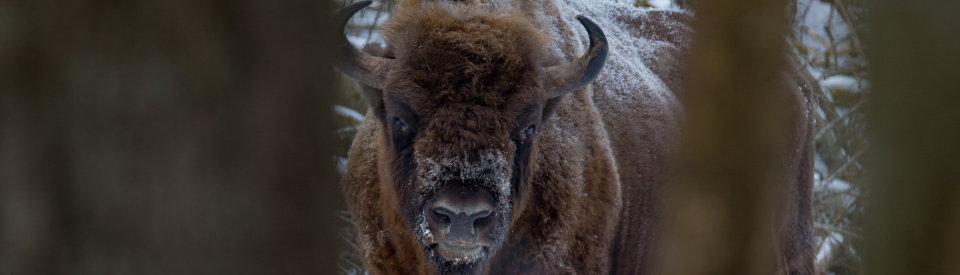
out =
column 843, row 167
column 834, row 122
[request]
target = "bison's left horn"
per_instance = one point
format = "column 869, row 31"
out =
column 565, row 78
column 368, row 70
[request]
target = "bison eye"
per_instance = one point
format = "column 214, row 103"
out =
column 530, row 130
column 398, row 122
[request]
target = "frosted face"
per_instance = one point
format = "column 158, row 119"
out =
column 457, row 170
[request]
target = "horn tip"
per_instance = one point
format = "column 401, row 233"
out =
column 584, row 20
column 592, row 28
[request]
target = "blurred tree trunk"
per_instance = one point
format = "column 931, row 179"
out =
column 913, row 222
column 720, row 215
column 166, row 137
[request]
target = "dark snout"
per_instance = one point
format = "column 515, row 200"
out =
column 462, row 218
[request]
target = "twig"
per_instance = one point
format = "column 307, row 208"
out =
column 849, row 19
column 831, row 228
column 833, row 122
column 844, row 166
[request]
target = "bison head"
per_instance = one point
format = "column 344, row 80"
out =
column 460, row 94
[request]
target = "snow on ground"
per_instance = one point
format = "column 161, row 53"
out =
column 826, row 43
column 359, row 32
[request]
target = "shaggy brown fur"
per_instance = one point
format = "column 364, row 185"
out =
column 584, row 201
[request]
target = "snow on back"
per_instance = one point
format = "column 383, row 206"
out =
column 629, row 77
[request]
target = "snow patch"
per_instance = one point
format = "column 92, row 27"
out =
column 489, row 170
column 423, row 230
column 349, row 113
column 845, row 82
column 661, row 3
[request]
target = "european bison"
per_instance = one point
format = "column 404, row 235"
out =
column 494, row 144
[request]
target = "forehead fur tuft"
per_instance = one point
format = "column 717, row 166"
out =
column 460, row 51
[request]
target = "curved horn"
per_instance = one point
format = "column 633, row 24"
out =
column 368, row 70
column 565, row 78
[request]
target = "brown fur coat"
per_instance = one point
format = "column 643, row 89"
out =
column 591, row 203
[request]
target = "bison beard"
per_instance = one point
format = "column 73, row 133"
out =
column 482, row 153
column 489, row 173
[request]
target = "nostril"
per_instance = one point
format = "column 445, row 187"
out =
column 480, row 215
column 441, row 216
column 482, row 222
column 481, row 219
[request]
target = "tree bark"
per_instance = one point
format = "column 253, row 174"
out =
column 913, row 217
column 167, row 137
column 720, row 212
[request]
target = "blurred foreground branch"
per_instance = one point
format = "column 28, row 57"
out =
column 719, row 216
column 914, row 215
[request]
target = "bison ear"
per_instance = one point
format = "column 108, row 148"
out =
column 374, row 101
column 368, row 67
column 550, row 107
column 373, row 95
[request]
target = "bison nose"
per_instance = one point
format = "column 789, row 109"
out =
column 462, row 214
column 460, row 226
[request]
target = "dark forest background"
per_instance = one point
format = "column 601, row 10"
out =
column 200, row 136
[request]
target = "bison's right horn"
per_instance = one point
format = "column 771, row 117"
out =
column 368, row 70
column 565, row 78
